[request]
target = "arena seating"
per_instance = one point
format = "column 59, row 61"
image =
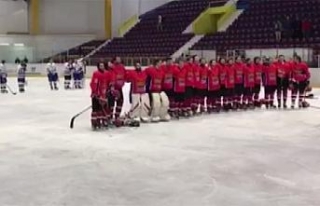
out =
column 145, row 40
column 255, row 27
column 77, row 52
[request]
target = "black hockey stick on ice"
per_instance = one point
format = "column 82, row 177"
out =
column 11, row 91
column 77, row 115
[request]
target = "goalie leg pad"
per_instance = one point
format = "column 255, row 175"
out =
column 164, row 107
column 135, row 106
column 156, row 107
column 145, row 108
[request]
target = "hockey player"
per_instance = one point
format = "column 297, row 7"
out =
column 223, row 81
column 78, row 75
column 52, row 74
column 190, row 83
column 167, row 84
column 68, row 69
column 202, row 84
column 3, row 77
column 119, row 73
column 196, row 101
column 159, row 100
column 299, row 80
column 214, row 95
column 282, row 81
column 180, row 107
column 21, row 74
column 230, row 84
column 140, row 103
column 249, row 83
column 99, row 86
column 269, row 82
column 257, row 79
column 239, row 89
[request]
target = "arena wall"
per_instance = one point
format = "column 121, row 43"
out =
column 39, row 70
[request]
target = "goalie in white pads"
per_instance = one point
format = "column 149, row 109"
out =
column 3, row 77
column 52, row 75
column 159, row 100
column 139, row 98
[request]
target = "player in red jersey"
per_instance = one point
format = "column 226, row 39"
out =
column 239, row 67
column 269, row 82
column 230, row 84
column 299, row 79
column 99, row 86
column 139, row 98
column 167, row 84
column 202, row 84
column 223, row 81
column 214, row 95
column 190, row 84
column 249, row 82
column 119, row 72
column 196, row 100
column 282, row 81
column 179, row 88
column 258, row 78
column 159, row 100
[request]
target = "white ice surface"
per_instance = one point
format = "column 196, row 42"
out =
column 255, row 158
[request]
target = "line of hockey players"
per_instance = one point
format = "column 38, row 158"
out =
column 21, row 77
column 168, row 90
column 73, row 72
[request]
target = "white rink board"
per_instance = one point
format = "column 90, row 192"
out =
column 241, row 158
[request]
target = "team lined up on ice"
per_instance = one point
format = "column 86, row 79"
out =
column 73, row 71
column 179, row 89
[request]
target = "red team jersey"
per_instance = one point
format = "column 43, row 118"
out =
column 179, row 75
column 189, row 74
column 196, row 73
column 167, row 83
column 249, row 80
column 230, row 78
column 223, row 74
column 138, row 81
column 203, row 83
column 100, row 83
column 239, row 67
column 119, row 74
column 300, row 72
column 283, row 69
column 258, row 73
column 270, row 75
column 155, row 76
column 213, row 78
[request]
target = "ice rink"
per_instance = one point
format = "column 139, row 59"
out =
column 254, row 158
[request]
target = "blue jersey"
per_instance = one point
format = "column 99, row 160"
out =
column 51, row 69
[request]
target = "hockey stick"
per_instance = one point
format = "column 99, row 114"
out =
column 77, row 115
column 11, row 91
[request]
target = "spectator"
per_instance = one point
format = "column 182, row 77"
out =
column 278, row 29
column 17, row 61
column 159, row 25
column 286, row 27
column 26, row 60
column 297, row 28
column 306, row 28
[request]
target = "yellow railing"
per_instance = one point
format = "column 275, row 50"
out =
column 127, row 25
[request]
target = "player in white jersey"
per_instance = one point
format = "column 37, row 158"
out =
column 68, row 69
column 21, row 75
column 3, row 77
column 52, row 74
column 77, row 75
